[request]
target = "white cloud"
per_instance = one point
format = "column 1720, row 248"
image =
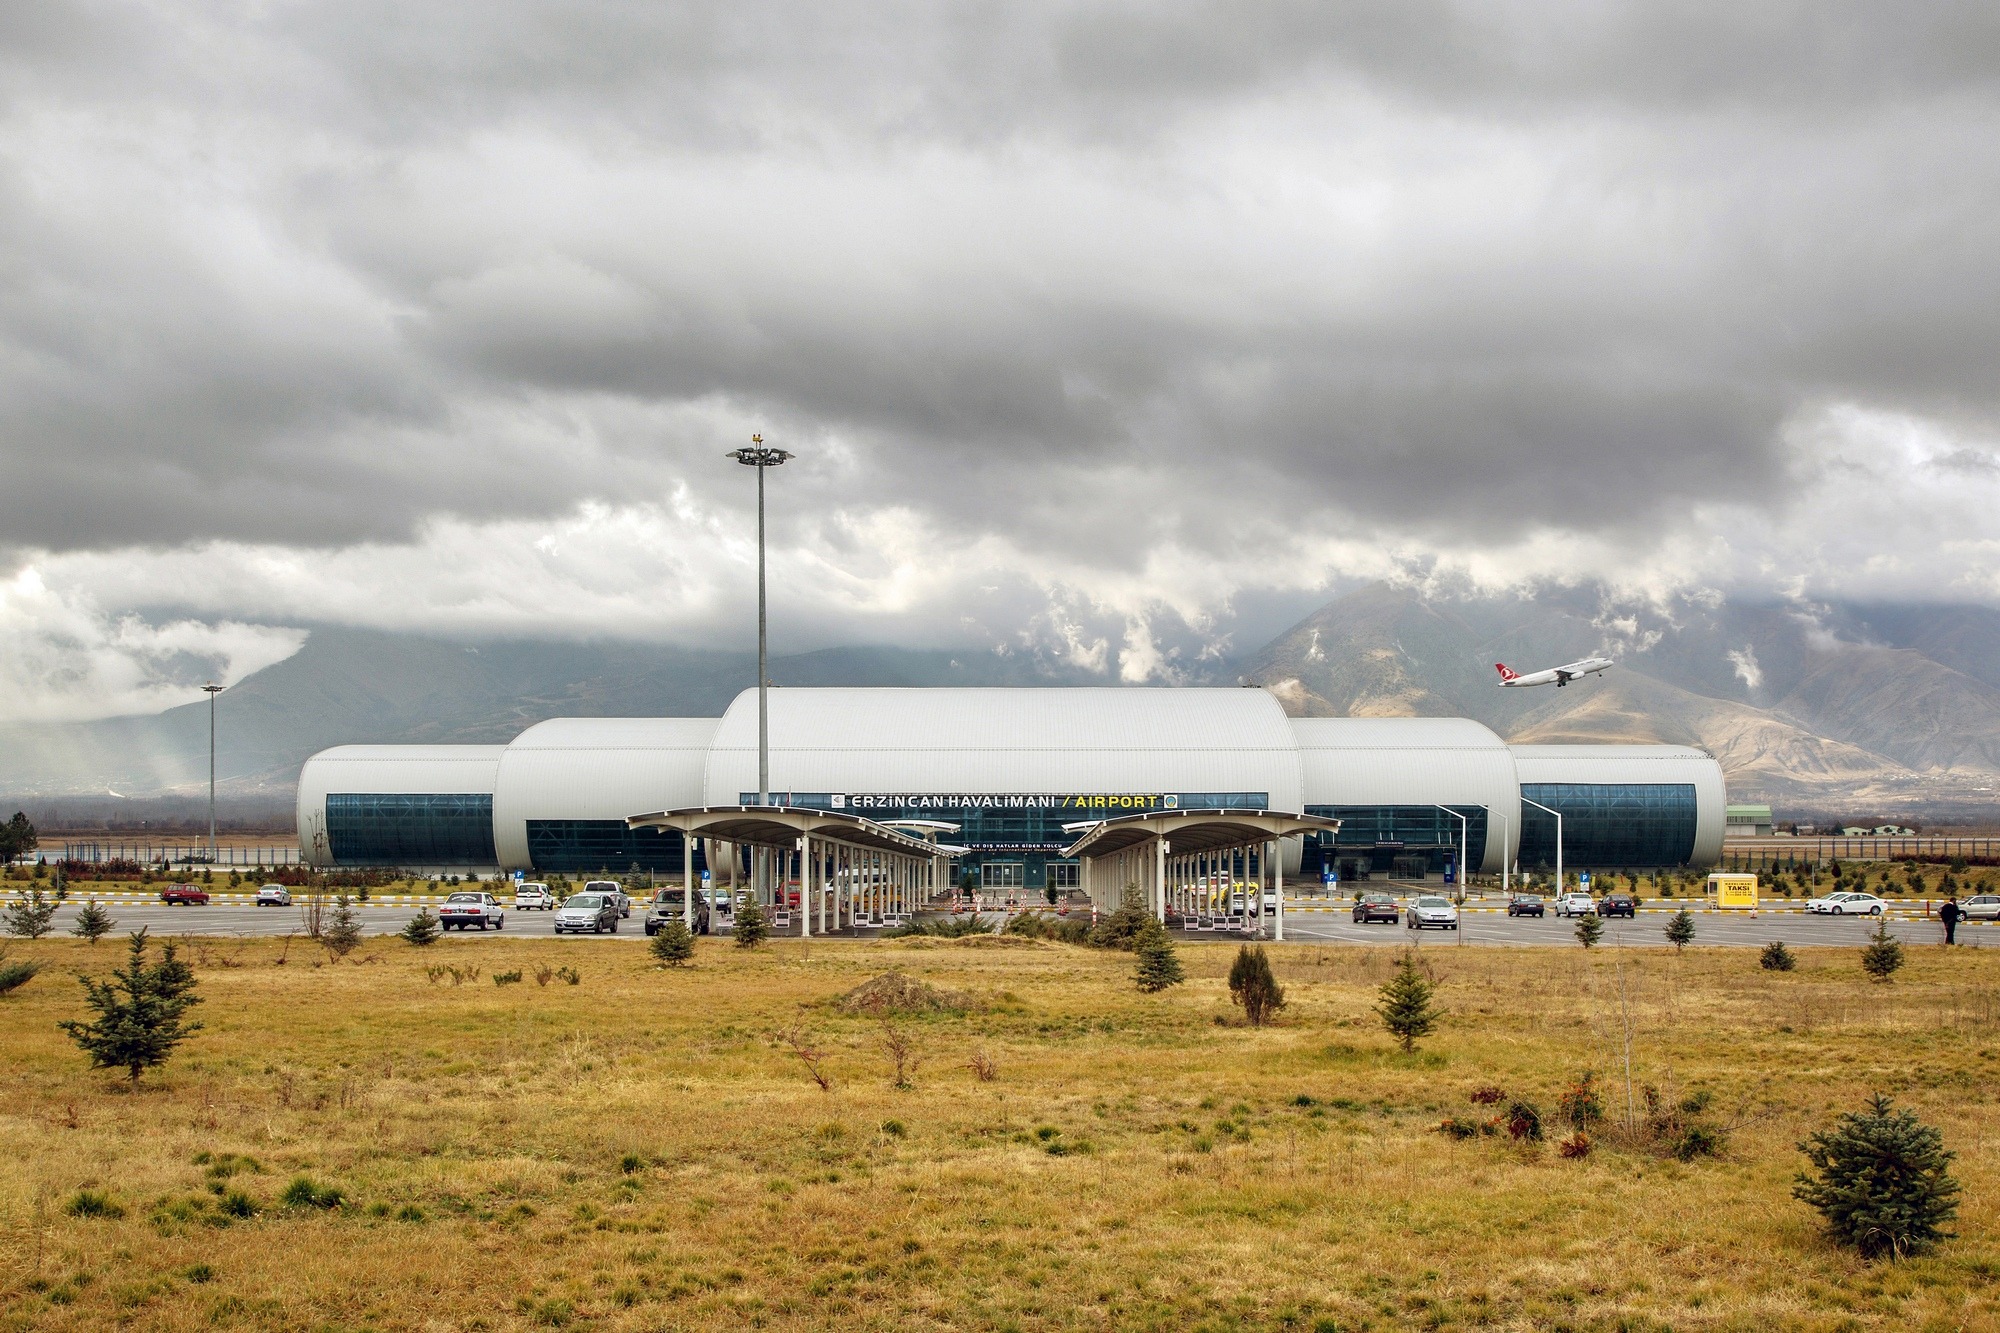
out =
column 64, row 659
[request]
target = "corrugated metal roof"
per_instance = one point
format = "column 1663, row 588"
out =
column 1413, row 761
column 1638, row 764
column 619, row 733
column 1010, row 740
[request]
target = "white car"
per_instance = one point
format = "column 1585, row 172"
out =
column 1429, row 911
column 1576, row 904
column 594, row 912
column 613, row 890
column 534, row 898
column 1847, row 904
column 1981, row 907
column 274, row 895
column 472, row 909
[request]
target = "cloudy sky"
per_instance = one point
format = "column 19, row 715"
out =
column 1101, row 330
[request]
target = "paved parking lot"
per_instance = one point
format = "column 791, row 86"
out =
column 1479, row 926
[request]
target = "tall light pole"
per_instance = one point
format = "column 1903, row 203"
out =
column 1559, row 840
column 211, row 690
column 1464, row 838
column 759, row 456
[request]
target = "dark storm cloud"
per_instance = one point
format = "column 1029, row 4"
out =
column 317, row 274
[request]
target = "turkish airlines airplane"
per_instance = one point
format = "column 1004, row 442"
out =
column 1557, row 676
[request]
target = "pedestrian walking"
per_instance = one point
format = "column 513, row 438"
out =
column 1950, row 914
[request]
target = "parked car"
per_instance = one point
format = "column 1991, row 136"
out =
column 1847, row 904
column 670, row 904
column 1981, row 907
column 534, row 898
column 593, row 912
column 1431, row 910
column 612, row 889
column 274, row 895
column 1377, row 907
column 1618, row 904
column 1526, row 904
column 472, row 909
column 184, row 895
column 1576, row 904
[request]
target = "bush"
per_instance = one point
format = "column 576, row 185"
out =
column 1580, row 1106
column 1589, row 930
column 422, row 929
column 1884, row 954
column 13, row 976
column 1252, row 985
column 303, row 1192
column 507, row 978
column 1882, row 1180
column 1576, row 1146
column 1047, row 926
column 342, row 932
column 1776, row 957
column 93, row 923
column 91, row 1203
column 1680, row 929
column 31, row 917
column 142, row 1012
column 1158, row 968
column 673, row 946
column 942, row 927
column 1523, row 1120
column 1118, row 930
column 1405, row 1005
column 751, row 929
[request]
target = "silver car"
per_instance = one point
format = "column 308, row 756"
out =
column 1432, row 911
column 1981, row 907
column 591, row 912
column 274, row 895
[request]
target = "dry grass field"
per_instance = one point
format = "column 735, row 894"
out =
column 644, row 1149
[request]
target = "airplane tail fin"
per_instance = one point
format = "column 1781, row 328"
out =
column 1506, row 672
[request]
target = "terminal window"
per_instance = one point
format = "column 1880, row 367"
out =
column 1637, row 825
column 580, row 846
column 1065, row 875
column 1002, row 875
column 410, row 828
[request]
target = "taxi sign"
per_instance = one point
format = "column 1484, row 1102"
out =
column 1733, row 890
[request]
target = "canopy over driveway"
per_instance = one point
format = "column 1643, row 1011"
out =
column 847, row 867
column 1185, row 860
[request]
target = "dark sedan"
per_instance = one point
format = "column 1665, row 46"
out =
column 1526, row 904
column 1618, row 904
column 1377, row 907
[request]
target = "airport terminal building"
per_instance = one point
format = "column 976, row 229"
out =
column 1011, row 768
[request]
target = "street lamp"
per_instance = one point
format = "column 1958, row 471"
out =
column 1463, row 838
column 1559, row 840
column 211, row 690
column 761, row 456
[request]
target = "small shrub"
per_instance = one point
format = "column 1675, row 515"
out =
column 1589, row 930
column 1882, row 1180
column 304, row 1192
column 1252, row 985
column 436, row 973
column 751, row 928
column 237, row 1204
column 92, row 1203
column 1777, row 958
column 1680, row 929
column 1575, row 1147
column 982, row 1066
column 1884, row 954
column 1404, row 1004
column 507, row 978
column 341, row 934
column 1487, row 1095
column 1453, row 1128
column 1158, row 968
column 13, row 976
column 409, row 1212
column 1118, row 930
column 895, row 1129
column 1523, row 1120
column 544, row 974
column 1579, row 1105
column 943, row 927
column 569, row 976
column 673, row 946
column 631, row 1162
column 422, row 930
column 198, row 1273
column 93, row 923
column 142, row 1012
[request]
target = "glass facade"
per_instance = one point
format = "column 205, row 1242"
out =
column 410, row 829
column 1394, row 839
column 1023, row 830
column 1613, row 825
column 584, row 846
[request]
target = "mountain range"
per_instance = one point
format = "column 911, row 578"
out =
column 1814, row 707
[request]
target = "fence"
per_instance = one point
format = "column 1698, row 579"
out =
column 180, row 853
column 1769, row 853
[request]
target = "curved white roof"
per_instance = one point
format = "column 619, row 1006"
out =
column 1010, row 740
column 596, row 768
column 1413, row 761
column 420, row 769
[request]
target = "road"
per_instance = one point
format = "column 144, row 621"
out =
column 1322, row 926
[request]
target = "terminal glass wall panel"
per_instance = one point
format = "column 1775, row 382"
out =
column 1395, row 839
column 583, row 846
column 410, row 828
column 1625, row 825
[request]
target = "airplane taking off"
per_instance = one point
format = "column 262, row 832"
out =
column 1557, row 676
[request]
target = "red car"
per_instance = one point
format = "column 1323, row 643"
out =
column 185, row 895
